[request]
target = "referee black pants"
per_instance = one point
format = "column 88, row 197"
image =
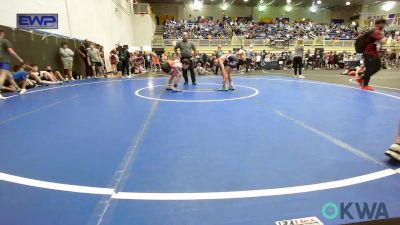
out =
column 297, row 64
column 191, row 69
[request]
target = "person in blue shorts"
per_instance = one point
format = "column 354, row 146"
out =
column 20, row 76
column 6, row 52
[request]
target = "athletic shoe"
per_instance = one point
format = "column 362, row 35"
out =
column 72, row 79
column 231, row 88
column 301, row 77
column 223, row 88
column 367, row 88
column 186, row 83
column 393, row 155
column 23, row 91
column 169, row 89
column 194, row 83
column 395, row 148
column 60, row 82
column 129, row 76
column 360, row 81
column 2, row 97
column 176, row 90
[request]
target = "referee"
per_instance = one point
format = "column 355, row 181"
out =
column 186, row 48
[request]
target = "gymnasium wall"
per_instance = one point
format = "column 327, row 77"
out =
column 106, row 22
column 42, row 50
column 180, row 11
column 144, row 27
column 376, row 10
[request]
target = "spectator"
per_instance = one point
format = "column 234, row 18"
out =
column 155, row 61
column 94, row 60
column 20, row 76
column 42, row 77
column 124, row 56
column 114, row 61
column 147, row 61
column 201, row 70
column 67, row 60
column 55, row 73
column 82, row 50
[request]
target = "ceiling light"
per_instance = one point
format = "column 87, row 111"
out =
column 313, row 8
column 388, row 6
column 224, row 6
column 197, row 4
column 347, row 3
column 261, row 8
column 318, row 2
column 288, row 8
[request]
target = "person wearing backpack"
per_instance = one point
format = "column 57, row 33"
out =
column 370, row 44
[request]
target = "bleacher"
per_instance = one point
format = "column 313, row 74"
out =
column 262, row 36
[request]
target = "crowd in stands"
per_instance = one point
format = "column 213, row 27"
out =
column 200, row 29
column 280, row 29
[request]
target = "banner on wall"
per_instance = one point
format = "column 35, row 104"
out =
column 287, row 20
column 392, row 19
column 266, row 19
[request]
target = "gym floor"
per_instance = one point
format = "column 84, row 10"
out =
column 125, row 151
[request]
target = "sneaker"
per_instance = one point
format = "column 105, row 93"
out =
column 72, row 79
column 169, row 88
column 66, row 80
column 360, row 81
column 393, row 155
column 194, row 83
column 129, row 76
column 231, row 88
column 186, row 83
column 367, row 88
column 295, row 76
column 23, row 91
column 2, row 97
column 223, row 88
column 301, row 77
column 176, row 90
column 395, row 148
column 60, row 82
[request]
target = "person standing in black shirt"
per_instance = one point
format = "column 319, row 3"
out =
column 124, row 56
column 83, row 54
